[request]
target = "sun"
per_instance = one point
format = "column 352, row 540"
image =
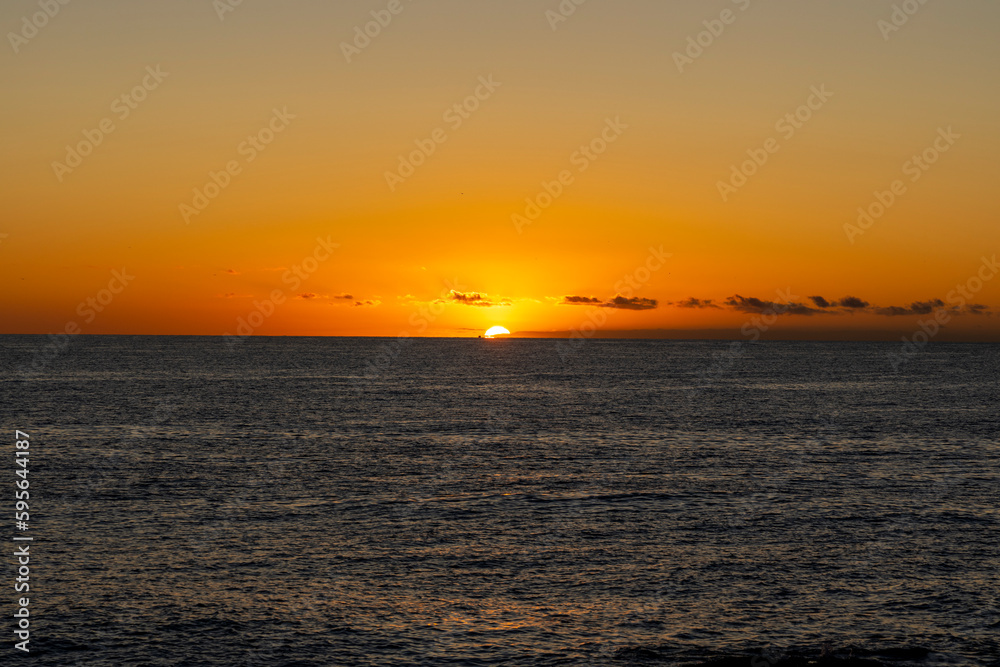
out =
column 497, row 331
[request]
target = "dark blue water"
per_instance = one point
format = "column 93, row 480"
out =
column 507, row 502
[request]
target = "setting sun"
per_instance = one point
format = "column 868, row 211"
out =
column 496, row 331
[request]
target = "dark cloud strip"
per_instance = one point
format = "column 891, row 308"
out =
column 477, row 299
column 848, row 304
column 692, row 302
column 619, row 302
column 635, row 303
column 749, row 304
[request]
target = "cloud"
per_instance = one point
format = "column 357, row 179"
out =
column 751, row 304
column 692, row 302
column 893, row 311
column 800, row 309
column 915, row 308
column 579, row 301
column 635, row 303
column 477, row 299
column 619, row 302
column 821, row 302
column 926, row 307
column 341, row 300
column 853, row 302
column 824, row 306
column 233, row 271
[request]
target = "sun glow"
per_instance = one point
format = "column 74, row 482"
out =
column 496, row 331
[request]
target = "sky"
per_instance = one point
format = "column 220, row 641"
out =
column 723, row 168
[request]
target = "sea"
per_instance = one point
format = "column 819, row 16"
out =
column 521, row 502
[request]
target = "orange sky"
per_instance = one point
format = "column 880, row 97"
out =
column 615, row 101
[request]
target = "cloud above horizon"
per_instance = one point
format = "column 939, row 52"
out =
column 619, row 302
column 580, row 301
column 477, row 299
column 339, row 300
column 692, row 302
column 751, row 304
column 848, row 302
column 845, row 306
column 635, row 303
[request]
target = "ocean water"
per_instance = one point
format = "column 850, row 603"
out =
column 507, row 502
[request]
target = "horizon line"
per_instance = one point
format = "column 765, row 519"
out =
column 675, row 335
